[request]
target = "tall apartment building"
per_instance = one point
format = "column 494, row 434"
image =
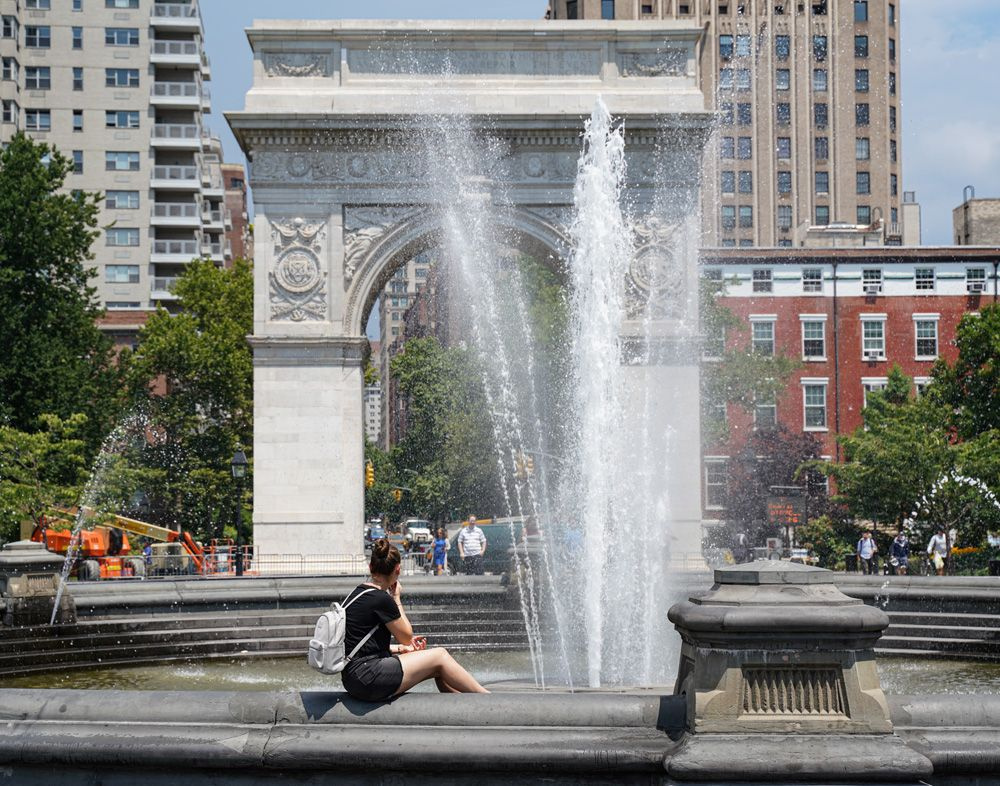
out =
column 118, row 85
column 234, row 180
column 807, row 93
column 397, row 296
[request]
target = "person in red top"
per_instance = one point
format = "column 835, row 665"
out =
column 379, row 670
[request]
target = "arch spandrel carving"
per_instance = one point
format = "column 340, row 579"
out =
column 296, row 273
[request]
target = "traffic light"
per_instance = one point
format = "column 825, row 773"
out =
column 529, row 465
column 369, row 475
column 397, row 494
column 519, row 467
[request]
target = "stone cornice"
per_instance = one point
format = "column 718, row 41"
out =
column 307, row 350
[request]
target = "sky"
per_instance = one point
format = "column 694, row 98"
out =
column 950, row 91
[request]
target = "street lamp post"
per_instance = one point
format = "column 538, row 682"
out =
column 239, row 466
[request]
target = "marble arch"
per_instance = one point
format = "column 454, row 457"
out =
column 339, row 198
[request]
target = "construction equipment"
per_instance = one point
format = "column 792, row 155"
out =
column 103, row 552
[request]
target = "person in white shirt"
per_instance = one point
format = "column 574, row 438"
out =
column 937, row 550
column 472, row 548
column 866, row 553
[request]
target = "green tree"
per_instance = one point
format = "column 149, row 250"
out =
column 56, row 360
column 201, row 358
column 971, row 387
column 40, row 469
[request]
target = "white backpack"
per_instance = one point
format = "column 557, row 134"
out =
column 326, row 647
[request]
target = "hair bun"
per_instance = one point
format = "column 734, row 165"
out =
column 385, row 557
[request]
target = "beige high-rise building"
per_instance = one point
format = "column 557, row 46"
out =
column 119, row 85
column 808, row 98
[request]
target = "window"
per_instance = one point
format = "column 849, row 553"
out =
column 822, row 182
column 925, row 329
column 784, row 181
column 892, row 83
column 975, row 280
column 820, row 80
column 861, row 80
column 715, row 483
column 9, row 27
column 38, row 119
column 864, row 215
column 819, row 7
column 765, row 413
column 860, row 10
column 39, row 5
column 892, row 150
column 121, row 274
column 728, row 216
column 784, row 216
column 725, row 79
column 728, row 242
column 782, row 79
column 812, row 280
column 861, row 46
column 726, row 47
column 121, row 161
column 892, row 118
column 122, row 200
column 822, row 215
column 862, row 148
column 727, row 147
column 819, row 47
column 10, row 69
column 746, row 182
column 783, row 114
column 77, row 5
column 892, row 50
column 744, row 148
column 571, row 9
column 77, row 78
column 726, row 113
column 924, row 278
column 746, row 242
column 861, row 115
column 37, row 77
column 763, row 335
column 121, row 118
column 782, row 46
column 728, row 182
column 744, row 114
column 783, row 147
column 763, row 280
column 863, row 183
column 78, row 120
column 37, row 37
column 871, row 385
column 871, row 281
column 746, row 216
column 813, row 338
column 822, row 145
column 821, row 115
column 121, row 36
column 647, row 8
column 121, row 77
column 814, row 405
column 743, row 46
column 77, row 162
column 607, row 9
column 122, row 237
column 892, row 15
column 742, row 79
column 78, row 38
column 873, row 338
column 893, row 185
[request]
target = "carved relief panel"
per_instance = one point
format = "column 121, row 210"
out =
column 296, row 276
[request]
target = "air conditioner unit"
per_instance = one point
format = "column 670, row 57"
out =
column 872, row 354
column 976, row 287
column 873, row 289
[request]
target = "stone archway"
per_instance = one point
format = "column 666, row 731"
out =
column 338, row 194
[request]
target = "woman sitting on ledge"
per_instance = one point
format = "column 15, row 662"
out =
column 377, row 671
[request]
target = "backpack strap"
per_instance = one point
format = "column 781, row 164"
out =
column 347, row 603
column 367, row 635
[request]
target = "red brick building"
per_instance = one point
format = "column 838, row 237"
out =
column 849, row 314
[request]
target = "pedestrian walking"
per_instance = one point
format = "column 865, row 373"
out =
column 441, row 552
column 866, row 553
column 472, row 548
column 938, row 549
column 899, row 554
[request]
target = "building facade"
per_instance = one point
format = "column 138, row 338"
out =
column 849, row 315
column 976, row 222
column 119, row 86
column 808, row 97
column 240, row 231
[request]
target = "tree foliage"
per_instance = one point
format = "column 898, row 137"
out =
column 56, row 360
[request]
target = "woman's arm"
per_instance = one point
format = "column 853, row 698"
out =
column 400, row 628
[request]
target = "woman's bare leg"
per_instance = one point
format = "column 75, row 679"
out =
column 444, row 687
column 436, row 663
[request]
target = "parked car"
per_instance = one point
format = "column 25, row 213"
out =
column 372, row 533
column 418, row 533
column 501, row 534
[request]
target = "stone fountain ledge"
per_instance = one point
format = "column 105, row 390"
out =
column 78, row 736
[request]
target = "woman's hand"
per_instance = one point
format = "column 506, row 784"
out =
column 418, row 643
column 396, row 590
